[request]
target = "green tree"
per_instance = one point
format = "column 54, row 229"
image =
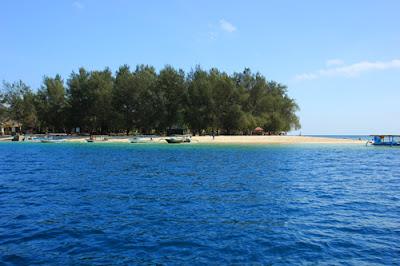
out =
column 200, row 107
column 30, row 118
column 100, row 87
column 4, row 105
column 228, row 112
column 280, row 108
column 266, row 104
column 52, row 104
column 18, row 104
column 171, row 89
column 78, row 94
column 148, row 103
column 125, row 97
column 143, row 100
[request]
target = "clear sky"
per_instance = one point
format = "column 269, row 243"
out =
column 339, row 59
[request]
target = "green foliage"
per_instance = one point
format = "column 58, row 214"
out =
column 101, row 84
column 171, row 90
column 144, row 101
column 228, row 111
column 200, row 101
column 17, row 104
column 136, row 99
column 266, row 103
column 90, row 100
column 78, row 94
column 149, row 102
column 52, row 105
column 124, row 98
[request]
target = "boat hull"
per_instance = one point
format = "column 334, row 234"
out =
column 386, row 144
column 141, row 140
column 53, row 140
column 32, row 139
column 96, row 140
column 178, row 140
column 174, row 140
column 382, row 141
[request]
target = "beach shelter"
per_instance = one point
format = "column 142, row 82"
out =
column 258, row 130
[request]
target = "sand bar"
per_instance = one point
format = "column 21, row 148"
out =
column 231, row 140
column 273, row 140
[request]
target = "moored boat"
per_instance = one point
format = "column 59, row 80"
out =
column 174, row 140
column 179, row 139
column 32, row 138
column 142, row 139
column 98, row 138
column 384, row 140
column 55, row 138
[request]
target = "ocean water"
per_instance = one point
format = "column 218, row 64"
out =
column 355, row 137
column 91, row 204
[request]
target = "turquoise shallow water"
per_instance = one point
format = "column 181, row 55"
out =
column 91, row 204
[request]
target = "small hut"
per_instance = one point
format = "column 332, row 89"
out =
column 258, row 131
column 10, row 128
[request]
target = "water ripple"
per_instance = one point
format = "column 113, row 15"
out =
column 199, row 204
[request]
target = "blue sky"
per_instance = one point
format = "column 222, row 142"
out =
column 339, row 59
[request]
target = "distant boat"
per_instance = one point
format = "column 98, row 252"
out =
column 142, row 139
column 384, row 140
column 32, row 138
column 174, row 140
column 98, row 138
column 17, row 138
column 179, row 139
column 55, row 138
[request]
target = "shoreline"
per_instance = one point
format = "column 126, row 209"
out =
column 229, row 140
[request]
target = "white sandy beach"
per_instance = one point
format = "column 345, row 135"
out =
column 241, row 140
column 231, row 140
column 271, row 140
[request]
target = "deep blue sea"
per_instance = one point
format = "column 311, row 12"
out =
column 98, row 204
column 355, row 137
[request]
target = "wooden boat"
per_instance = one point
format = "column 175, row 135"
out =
column 179, row 139
column 98, row 138
column 142, row 139
column 174, row 140
column 384, row 140
column 55, row 138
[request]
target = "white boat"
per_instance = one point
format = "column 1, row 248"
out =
column 98, row 138
column 32, row 138
column 142, row 139
column 55, row 138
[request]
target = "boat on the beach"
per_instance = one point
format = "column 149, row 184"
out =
column 142, row 139
column 174, row 140
column 98, row 138
column 384, row 140
column 32, row 138
column 55, row 138
column 179, row 139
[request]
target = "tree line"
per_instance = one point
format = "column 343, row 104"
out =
column 146, row 101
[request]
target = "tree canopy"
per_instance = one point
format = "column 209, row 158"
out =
column 146, row 101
